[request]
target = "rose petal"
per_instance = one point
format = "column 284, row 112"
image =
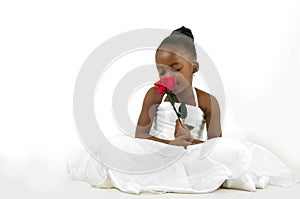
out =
column 160, row 89
column 166, row 82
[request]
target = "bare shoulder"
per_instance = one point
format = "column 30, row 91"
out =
column 150, row 103
column 152, row 96
column 205, row 99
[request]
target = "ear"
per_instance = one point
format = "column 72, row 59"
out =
column 195, row 66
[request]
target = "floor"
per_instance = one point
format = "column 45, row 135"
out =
column 76, row 189
column 58, row 185
column 80, row 190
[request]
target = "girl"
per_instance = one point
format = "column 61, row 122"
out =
column 203, row 165
column 176, row 57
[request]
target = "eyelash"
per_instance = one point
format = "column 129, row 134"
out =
column 177, row 70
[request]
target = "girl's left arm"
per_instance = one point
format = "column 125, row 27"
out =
column 212, row 116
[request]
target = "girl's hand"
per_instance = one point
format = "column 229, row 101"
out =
column 183, row 140
column 181, row 129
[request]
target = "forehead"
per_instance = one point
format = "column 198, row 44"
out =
column 170, row 54
column 163, row 57
column 166, row 58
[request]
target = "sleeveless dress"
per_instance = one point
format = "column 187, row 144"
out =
column 164, row 129
column 201, row 168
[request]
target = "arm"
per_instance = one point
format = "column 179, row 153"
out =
column 145, row 120
column 195, row 141
column 212, row 116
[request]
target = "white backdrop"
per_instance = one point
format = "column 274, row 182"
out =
column 255, row 46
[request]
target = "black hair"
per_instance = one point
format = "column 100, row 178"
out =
column 182, row 37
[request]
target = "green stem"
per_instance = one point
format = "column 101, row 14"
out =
column 175, row 110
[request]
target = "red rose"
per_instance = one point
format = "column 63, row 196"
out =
column 166, row 82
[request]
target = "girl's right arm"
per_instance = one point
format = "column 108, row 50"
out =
column 151, row 101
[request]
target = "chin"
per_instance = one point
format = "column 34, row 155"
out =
column 179, row 88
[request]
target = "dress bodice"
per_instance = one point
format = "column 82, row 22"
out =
column 164, row 121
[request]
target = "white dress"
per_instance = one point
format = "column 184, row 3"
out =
column 201, row 168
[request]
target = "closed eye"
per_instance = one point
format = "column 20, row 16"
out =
column 176, row 69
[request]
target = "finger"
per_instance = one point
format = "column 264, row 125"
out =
column 186, row 143
column 185, row 126
column 184, row 130
column 191, row 138
column 178, row 123
column 187, row 136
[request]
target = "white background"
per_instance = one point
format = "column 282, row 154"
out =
column 255, row 46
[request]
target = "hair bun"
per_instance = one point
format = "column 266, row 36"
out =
column 185, row 31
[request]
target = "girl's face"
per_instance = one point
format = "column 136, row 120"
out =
column 171, row 64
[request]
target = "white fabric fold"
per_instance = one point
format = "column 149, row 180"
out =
column 203, row 168
column 136, row 165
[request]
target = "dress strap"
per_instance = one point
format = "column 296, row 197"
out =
column 164, row 97
column 195, row 96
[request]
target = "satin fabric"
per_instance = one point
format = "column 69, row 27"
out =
column 201, row 168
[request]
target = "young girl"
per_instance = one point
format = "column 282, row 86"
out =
column 176, row 57
column 201, row 165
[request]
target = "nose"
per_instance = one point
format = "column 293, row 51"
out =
column 168, row 73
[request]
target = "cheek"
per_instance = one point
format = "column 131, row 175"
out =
column 180, row 78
